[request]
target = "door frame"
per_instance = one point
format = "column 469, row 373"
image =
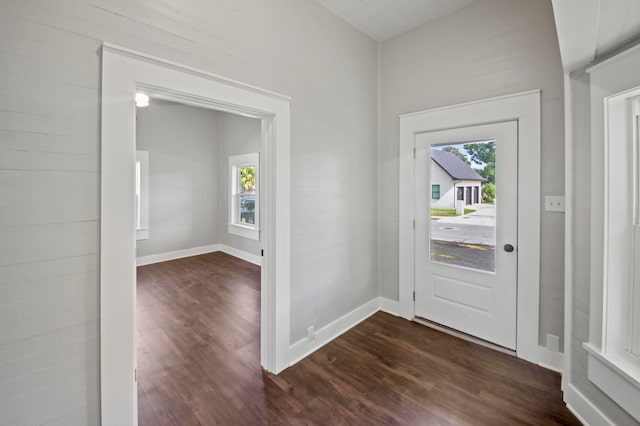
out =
column 525, row 109
column 125, row 71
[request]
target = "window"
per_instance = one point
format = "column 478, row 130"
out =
column 622, row 229
column 142, row 195
column 244, row 180
column 435, row 192
column 634, row 293
column 614, row 347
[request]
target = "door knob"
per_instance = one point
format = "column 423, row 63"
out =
column 508, row 248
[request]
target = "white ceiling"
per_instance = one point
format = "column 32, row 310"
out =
column 590, row 28
column 384, row 19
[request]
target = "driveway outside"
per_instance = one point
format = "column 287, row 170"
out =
column 467, row 240
column 474, row 228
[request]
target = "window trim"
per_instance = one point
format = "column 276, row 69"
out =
column 633, row 338
column 142, row 195
column 234, row 225
column 611, row 367
column 524, row 107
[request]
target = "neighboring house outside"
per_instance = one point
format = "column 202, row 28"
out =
column 452, row 180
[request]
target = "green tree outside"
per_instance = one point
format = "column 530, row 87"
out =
column 488, row 193
column 485, row 153
column 248, row 179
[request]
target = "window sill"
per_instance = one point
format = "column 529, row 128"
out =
column 617, row 376
column 142, row 234
column 244, row 231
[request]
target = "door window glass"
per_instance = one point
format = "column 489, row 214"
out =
column 463, row 216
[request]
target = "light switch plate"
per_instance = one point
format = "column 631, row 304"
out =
column 554, row 203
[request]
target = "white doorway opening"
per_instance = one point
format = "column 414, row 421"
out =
column 123, row 73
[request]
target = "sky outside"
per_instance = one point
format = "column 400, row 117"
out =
column 460, row 147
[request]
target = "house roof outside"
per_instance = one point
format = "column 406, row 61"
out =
column 454, row 166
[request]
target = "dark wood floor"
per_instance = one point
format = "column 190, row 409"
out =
column 198, row 364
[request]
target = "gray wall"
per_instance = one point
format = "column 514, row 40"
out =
column 184, row 176
column 238, row 135
column 49, row 178
column 490, row 48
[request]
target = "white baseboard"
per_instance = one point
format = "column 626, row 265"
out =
column 179, row 254
column 583, row 409
column 196, row 251
column 389, row 306
column 246, row 256
column 302, row 348
column 550, row 360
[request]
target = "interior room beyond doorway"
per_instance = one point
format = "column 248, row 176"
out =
column 198, row 297
column 191, row 191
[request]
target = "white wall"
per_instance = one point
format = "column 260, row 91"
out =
column 49, row 169
column 184, row 176
column 238, row 135
column 490, row 48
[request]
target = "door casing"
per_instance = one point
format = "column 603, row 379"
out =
column 123, row 72
column 525, row 109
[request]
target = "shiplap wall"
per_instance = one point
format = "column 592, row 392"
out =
column 49, row 169
column 488, row 49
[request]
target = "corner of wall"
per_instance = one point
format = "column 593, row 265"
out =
column 305, row 347
column 379, row 167
column 551, row 360
column 221, row 188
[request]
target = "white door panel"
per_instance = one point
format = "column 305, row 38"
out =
column 465, row 279
column 462, row 294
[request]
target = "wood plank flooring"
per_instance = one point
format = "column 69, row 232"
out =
column 199, row 364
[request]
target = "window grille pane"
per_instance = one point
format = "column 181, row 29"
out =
column 247, row 209
column 247, row 179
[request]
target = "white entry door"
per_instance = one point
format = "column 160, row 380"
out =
column 466, row 246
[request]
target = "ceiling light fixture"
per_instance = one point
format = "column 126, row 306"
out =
column 142, row 100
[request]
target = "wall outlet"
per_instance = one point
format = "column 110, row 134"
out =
column 554, row 203
column 311, row 334
column 553, row 343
